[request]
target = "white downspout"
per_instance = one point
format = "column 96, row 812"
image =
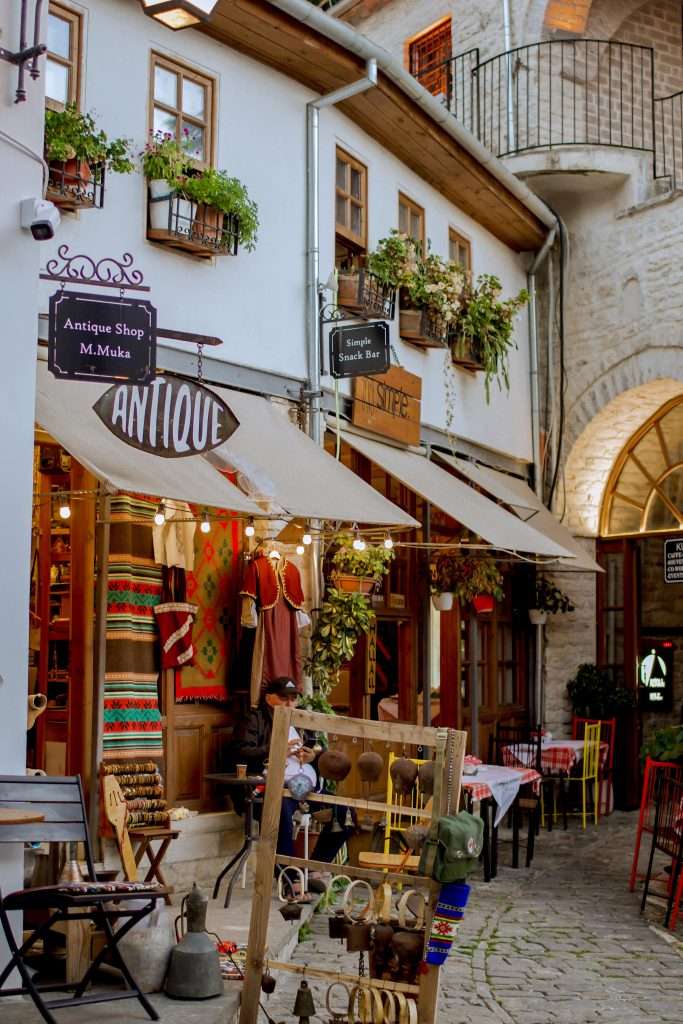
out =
column 507, row 42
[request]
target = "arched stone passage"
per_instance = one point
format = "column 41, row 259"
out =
column 592, row 19
column 599, row 443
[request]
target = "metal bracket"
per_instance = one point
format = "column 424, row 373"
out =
column 331, row 314
column 108, row 272
column 25, row 53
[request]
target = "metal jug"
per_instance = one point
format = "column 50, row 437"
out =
column 194, row 971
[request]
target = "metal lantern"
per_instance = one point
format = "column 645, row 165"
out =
column 304, row 1007
column 177, row 14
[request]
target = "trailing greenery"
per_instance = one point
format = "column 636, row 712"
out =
column 549, row 598
column 592, row 694
column 665, row 744
column 466, row 576
column 71, row 135
column 371, row 562
column 165, row 157
column 485, row 324
column 393, row 259
column 429, row 282
column 343, row 618
column 230, row 196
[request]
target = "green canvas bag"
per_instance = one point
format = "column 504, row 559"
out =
column 453, row 853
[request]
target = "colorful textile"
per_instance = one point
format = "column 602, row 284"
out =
column 212, row 587
column 448, row 913
column 175, row 619
column 132, row 722
column 268, row 579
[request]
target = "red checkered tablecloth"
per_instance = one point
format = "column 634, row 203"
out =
column 558, row 757
column 479, row 789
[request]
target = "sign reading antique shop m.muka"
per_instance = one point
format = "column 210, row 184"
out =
column 170, row 417
column 102, row 337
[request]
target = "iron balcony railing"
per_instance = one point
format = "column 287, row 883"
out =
column 565, row 92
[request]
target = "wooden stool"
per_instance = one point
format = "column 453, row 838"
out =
column 142, row 839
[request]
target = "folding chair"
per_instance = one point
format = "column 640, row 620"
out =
column 667, row 837
column 590, row 769
column 646, row 818
column 608, row 729
column 58, row 807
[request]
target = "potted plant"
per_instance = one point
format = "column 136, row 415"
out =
column 359, row 571
column 76, row 151
column 548, row 600
column 373, row 288
column 343, row 618
column 470, row 579
column 225, row 215
column 592, row 694
column 165, row 160
column 483, row 329
column 431, row 300
column 665, row 744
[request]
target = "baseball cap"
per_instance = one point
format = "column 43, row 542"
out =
column 283, row 686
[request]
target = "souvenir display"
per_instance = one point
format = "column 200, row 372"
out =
column 370, row 765
column 425, row 779
column 403, row 775
column 334, row 765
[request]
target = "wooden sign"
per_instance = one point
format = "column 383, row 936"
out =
column 371, row 659
column 172, row 417
column 101, row 337
column 389, row 404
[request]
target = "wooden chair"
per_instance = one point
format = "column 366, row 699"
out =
column 667, row 837
column 54, row 811
column 646, row 818
column 397, row 823
column 608, row 729
column 519, row 746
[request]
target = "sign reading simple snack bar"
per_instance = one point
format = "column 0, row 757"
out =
column 171, row 417
column 101, row 337
column 673, row 561
column 389, row 404
column 359, row 350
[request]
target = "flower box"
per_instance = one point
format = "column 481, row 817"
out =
column 362, row 292
column 424, row 328
column 466, row 353
column 75, row 184
column 178, row 222
column 354, row 584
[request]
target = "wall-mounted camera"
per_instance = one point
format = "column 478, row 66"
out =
column 40, row 217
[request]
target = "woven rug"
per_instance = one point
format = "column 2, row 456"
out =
column 132, row 722
column 212, row 587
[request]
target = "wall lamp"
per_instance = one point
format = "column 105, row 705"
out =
column 177, row 14
column 26, row 53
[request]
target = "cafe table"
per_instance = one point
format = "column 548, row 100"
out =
column 558, row 756
column 495, row 788
column 252, row 785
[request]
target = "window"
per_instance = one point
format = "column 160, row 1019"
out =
column 351, row 199
column 411, row 219
column 63, row 55
column 182, row 104
column 428, row 57
column 460, row 250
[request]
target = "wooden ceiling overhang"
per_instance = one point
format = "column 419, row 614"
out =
column 387, row 113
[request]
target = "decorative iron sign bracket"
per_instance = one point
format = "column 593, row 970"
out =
column 26, row 53
column 77, row 268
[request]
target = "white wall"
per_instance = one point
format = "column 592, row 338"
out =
column 255, row 302
column 21, row 178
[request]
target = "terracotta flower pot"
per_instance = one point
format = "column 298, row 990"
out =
column 483, row 604
column 347, row 290
column 208, row 223
column 354, row 584
column 76, row 172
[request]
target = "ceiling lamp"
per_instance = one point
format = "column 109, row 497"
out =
column 177, row 14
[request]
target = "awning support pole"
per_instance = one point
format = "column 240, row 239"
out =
column 101, row 593
column 473, row 631
column 427, row 630
column 538, row 697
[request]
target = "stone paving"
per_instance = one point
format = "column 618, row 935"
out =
column 561, row 942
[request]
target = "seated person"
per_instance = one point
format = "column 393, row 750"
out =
column 254, row 750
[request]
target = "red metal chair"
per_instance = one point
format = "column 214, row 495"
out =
column 608, row 728
column 667, row 837
column 646, row 818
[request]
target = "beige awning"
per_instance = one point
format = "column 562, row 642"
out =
column 282, row 468
column 65, row 409
column 519, row 496
column 476, row 512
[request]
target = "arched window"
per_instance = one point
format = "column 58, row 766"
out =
column 645, row 489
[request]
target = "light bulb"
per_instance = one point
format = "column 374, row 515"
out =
column 359, row 544
column 300, row 549
column 274, row 553
column 159, row 517
column 307, row 538
column 64, row 511
column 249, row 528
column 205, row 525
column 388, row 543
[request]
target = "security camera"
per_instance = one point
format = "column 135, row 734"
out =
column 40, row 217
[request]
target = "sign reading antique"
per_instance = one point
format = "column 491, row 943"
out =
column 673, row 561
column 655, row 675
column 389, row 404
column 102, row 337
column 171, row 417
column 359, row 350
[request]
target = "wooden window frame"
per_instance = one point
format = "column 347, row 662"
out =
column 455, row 238
column 73, row 63
column 359, row 242
column 186, row 71
column 413, row 207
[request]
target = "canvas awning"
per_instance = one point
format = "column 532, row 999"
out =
column 277, row 464
column 483, row 517
column 65, row 410
column 519, row 496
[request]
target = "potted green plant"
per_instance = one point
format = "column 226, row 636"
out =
column 359, row 570
column 75, row 150
column 592, row 694
column 665, row 744
column 468, row 578
column 430, row 300
column 373, row 287
column 343, row 618
column 483, row 329
column 548, row 600
column 224, row 209
column 164, row 161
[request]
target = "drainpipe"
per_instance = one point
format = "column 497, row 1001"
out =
column 507, row 42
column 313, row 234
column 540, row 258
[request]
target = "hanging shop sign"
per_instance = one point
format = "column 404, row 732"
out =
column 673, row 561
column 655, row 674
column 171, row 417
column 102, row 338
column 359, row 350
column 389, row 404
column 371, row 659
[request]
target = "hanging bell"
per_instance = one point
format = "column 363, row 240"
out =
column 370, row 765
column 334, row 765
column 304, row 1007
column 267, row 983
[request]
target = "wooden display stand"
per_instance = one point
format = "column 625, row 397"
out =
column 449, row 747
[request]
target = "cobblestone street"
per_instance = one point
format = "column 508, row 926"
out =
column 561, row 942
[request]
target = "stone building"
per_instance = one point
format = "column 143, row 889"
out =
column 584, row 101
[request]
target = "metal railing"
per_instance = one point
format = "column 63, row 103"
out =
column 668, row 125
column 454, row 82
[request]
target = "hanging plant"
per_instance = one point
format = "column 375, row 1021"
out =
column 549, row 598
column 394, row 259
column 371, row 562
column 466, row 577
column 343, row 618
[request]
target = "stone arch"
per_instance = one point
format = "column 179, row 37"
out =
column 602, row 18
column 600, row 440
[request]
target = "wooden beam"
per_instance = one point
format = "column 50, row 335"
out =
column 371, row 874
column 352, row 979
column 340, row 800
column 401, row 732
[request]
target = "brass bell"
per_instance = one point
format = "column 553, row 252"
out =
column 267, row 983
column 304, row 1007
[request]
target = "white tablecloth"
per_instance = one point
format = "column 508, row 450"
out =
column 504, row 784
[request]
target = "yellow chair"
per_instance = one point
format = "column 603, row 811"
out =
column 590, row 767
column 397, row 822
